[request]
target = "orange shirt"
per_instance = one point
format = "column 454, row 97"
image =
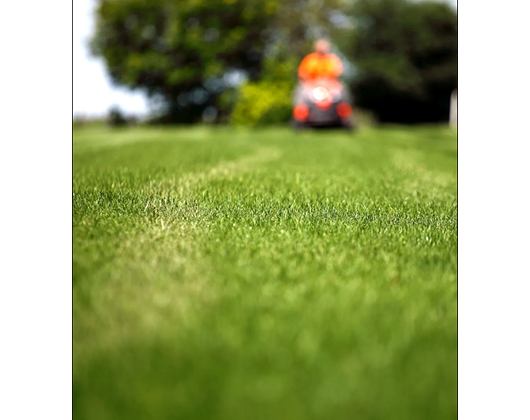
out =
column 316, row 66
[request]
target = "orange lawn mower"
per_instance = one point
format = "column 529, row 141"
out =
column 322, row 103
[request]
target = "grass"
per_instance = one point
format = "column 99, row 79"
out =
column 235, row 274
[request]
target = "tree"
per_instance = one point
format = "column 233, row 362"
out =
column 183, row 53
column 300, row 22
column 406, row 58
column 116, row 118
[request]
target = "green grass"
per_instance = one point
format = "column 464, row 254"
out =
column 238, row 274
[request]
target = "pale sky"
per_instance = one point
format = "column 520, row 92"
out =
column 93, row 92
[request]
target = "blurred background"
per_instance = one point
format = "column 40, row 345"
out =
column 234, row 61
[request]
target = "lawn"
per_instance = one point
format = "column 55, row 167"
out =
column 237, row 274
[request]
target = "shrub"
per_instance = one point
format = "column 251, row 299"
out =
column 116, row 117
column 263, row 103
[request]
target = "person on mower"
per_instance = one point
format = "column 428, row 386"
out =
column 320, row 98
column 320, row 64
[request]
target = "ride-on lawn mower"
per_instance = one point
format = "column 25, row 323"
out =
column 322, row 103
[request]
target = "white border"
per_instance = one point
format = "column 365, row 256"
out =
column 35, row 210
column 494, row 210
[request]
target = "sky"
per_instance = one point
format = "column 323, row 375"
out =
column 94, row 94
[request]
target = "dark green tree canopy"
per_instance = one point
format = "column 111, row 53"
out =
column 406, row 57
column 182, row 51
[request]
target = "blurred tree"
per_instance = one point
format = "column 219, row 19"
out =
column 116, row 118
column 184, row 53
column 406, row 58
column 299, row 22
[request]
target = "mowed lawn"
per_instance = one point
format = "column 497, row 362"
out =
column 238, row 274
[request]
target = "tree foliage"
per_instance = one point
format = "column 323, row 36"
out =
column 299, row 22
column 182, row 52
column 406, row 57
